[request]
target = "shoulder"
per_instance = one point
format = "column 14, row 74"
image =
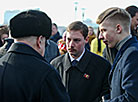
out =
column 95, row 40
column 58, row 60
column 51, row 46
column 96, row 59
column 51, row 42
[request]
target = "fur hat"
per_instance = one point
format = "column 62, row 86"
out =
column 30, row 23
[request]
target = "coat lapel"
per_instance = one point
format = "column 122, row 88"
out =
column 66, row 62
column 81, row 66
column 84, row 61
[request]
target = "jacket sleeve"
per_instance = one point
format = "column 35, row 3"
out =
column 53, row 90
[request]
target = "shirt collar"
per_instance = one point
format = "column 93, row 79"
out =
column 120, row 44
column 78, row 59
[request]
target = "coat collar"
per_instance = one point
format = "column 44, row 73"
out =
column 24, row 49
column 120, row 53
column 82, row 64
column 123, row 48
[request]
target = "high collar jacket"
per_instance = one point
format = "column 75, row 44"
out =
column 87, row 81
column 124, row 74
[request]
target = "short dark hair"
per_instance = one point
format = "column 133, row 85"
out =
column 78, row 25
column 132, row 10
column 55, row 25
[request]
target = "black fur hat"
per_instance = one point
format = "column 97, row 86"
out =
column 30, row 23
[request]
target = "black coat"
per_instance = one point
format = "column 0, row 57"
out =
column 25, row 76
column 89, row 79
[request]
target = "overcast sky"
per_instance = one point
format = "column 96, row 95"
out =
column 62, row 12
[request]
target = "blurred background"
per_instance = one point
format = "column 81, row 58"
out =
column 62, row 12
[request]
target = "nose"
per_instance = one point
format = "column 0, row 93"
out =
column 71, row 43
column 101, row 36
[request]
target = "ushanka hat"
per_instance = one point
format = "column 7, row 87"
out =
column 30, row 23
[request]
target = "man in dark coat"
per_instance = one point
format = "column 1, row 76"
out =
column 114, row 24
column 85, row 81
column 25, row 76
column 55, row 33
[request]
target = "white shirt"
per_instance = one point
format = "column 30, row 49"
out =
column 78, row 59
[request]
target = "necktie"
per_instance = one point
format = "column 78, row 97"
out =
column 74, row 62
column 70, row 75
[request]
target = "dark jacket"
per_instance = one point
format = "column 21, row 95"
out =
column 6, row 46
column 124, row 74
column 88, row 80
column 56, row 37
column 51, row 50
column 25, row 76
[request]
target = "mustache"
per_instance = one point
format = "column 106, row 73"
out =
column 71, row 48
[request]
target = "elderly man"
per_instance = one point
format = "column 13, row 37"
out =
column 25, row 76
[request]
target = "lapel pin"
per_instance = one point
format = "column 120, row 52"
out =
column 86, row 76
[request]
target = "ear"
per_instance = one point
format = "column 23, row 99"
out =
column 39, row 41
column 118, row 28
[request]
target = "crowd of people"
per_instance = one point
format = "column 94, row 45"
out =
column 38, row 64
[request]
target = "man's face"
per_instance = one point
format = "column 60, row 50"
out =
column 3, row 36
column 107, row 33
column 134, row 21
column 54, row 30
column 75, row 43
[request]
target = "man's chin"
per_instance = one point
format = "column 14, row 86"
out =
column 71, row 53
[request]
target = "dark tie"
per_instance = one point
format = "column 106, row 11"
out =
column 70, row 74
column 74, row 62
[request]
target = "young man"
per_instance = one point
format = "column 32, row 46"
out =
column 86, row 81
column 25, row 76
column 110, row 53
column 114, row 24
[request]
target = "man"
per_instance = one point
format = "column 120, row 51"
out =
column 55, row 34
column 5, row 42
column 85, row 81
column 133, row 11
column 25, row 76
column 114, row 24
column 110, row 53
column 4, row 33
